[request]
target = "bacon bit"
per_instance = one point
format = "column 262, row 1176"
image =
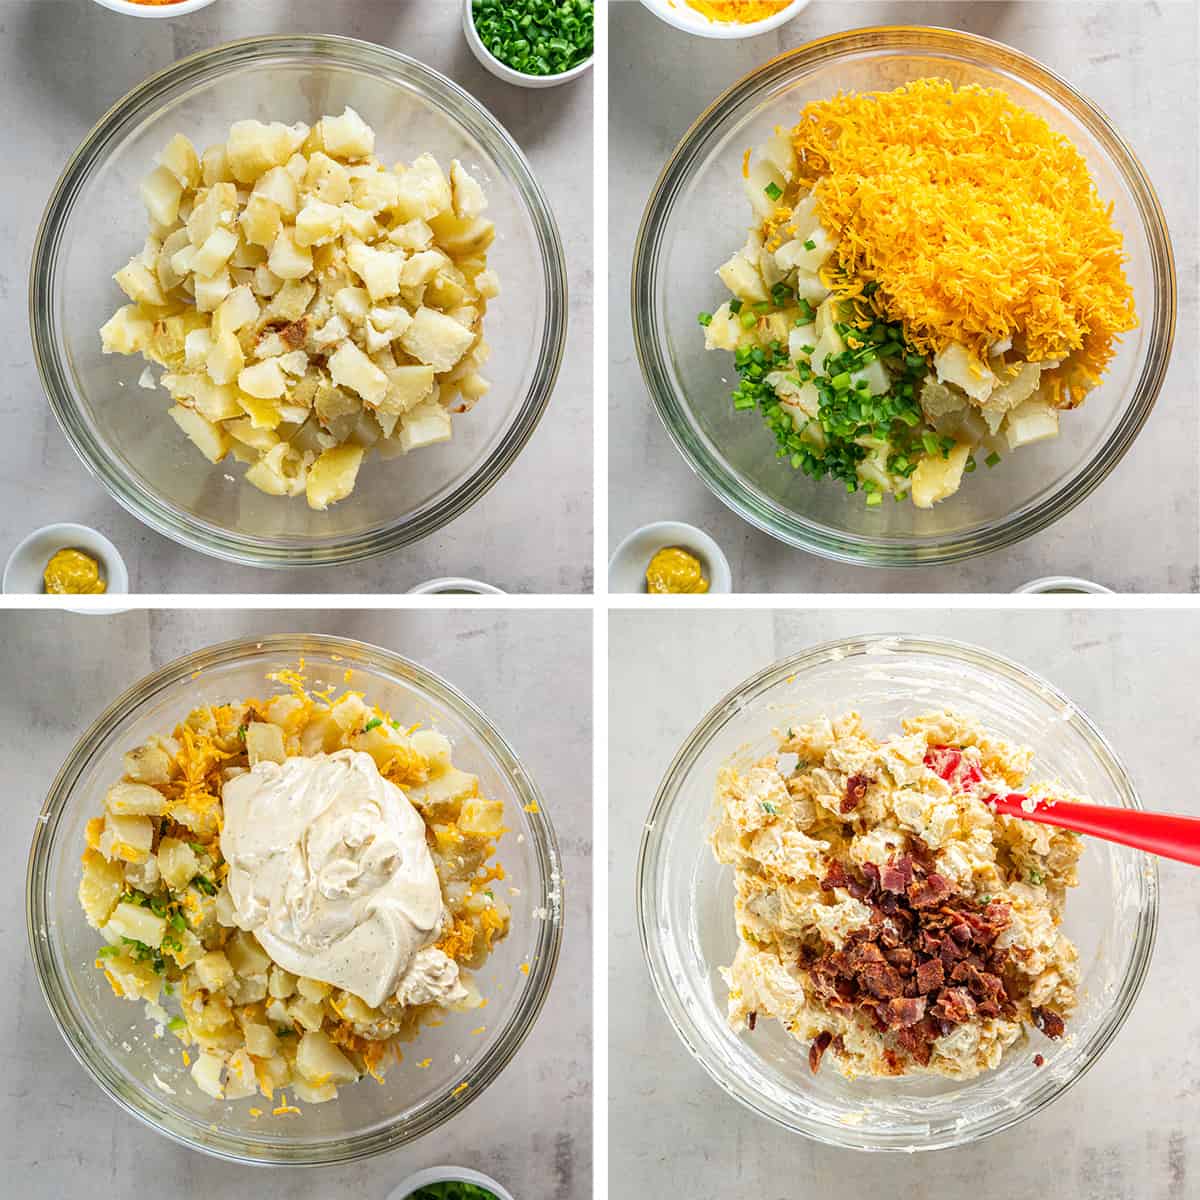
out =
column 1038, row 1061
column 294, row 336
column 1049, row 1022
column 856, row 791
column 816, row 1051
column 752, row 1021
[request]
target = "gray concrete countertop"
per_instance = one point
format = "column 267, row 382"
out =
column 62, row 63
column 1125, row 1132
column 1139, row 62
column 61, row 1138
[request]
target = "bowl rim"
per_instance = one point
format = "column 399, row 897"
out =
column 195, row 532
column 128, row 8
column 793, row 666
column 791, row 527
column 542, row 838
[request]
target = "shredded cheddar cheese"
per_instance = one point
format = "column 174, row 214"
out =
column 976, row 221
column 738, row 12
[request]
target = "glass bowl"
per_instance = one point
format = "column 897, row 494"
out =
column 680, row 245
column 685, row 898
column 95, row 221
column 113, row 1039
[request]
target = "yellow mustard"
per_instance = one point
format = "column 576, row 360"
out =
column 673, row 570
column 73, row 573
column 738, row 12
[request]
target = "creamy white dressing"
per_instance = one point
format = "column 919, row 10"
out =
column 330, row 870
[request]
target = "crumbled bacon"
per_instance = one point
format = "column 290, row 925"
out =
column 948, row 763
column 1049, row 1022
column 817, row 1050
column 752, row 1021
column 1038, row 1061
column 856, row 792
column 926, row 963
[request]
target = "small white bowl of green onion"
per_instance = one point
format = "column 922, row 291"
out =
column 532, row 43
column 450, row 1183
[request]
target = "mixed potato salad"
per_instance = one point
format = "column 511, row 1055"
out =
column 931, row 276
column 886, row 915
column 308, row 302
column 181, row 934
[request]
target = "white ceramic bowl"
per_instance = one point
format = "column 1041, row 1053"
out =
column 449, row 1175
column 453, row 583
column 178, row 9
column 1062, row 583
column 627, row 567
column 23, row 574
column 680, row 14
column 492, row 64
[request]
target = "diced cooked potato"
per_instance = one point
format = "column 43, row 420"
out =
column 423, row 425
column 1031, row 421
column 161, row 193
column 289, row 279
column 313, row 1093
column 214, row 971
column 206, row 1073
column 434, row 746
column 308, row 1014
column 332, row 476
column 100, row 887
column 210, row 440
column 177, row 863
column 260, row 1040
column 246, row 955
column 318, row 1060
column 264, row 743
column 484, row 818
column 936, row 478
column 149, row 763
column 135, row 800
column 263, row 380
column 136, row 923
column 240, row 1077
column 127, row 838
column 281, row 984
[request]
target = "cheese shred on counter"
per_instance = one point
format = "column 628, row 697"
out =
column 976, row 219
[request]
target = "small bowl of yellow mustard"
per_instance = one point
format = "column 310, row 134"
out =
column 669, row 558
column 66, row 560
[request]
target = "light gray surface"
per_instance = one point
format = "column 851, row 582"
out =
column 62, row 63
column 1139, row 63
column 61, row 1138
column 1127, row 1131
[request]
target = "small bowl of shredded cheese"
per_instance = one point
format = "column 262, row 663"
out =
column 726, row 19
column 154, row 8
column 902, row 296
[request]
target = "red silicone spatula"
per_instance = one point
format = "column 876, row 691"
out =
column 1156, row 833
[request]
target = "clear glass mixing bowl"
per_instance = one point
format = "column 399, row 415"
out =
column 697, row 216
column 95, row 221
column 685, row 899
column 113, row 1039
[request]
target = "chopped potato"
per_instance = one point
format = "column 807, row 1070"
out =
column 294, row 280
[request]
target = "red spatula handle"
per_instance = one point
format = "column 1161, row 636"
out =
column 1157, row 833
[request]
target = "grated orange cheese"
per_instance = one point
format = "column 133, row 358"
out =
column 977, row 221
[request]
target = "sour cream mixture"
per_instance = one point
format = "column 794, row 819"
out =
column 329, row 869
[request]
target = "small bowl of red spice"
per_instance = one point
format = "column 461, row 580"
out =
column 154, row 8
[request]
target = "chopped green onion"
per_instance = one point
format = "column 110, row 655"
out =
column 773, row 190
column 768, row 807
column 175, row 1024
column 810, row 244
column 373, row 723
column 705, row 318
column 205, row 885
column 735, row 306
column 992, row 459
column 748, row 320
column 874, row 499
column 536, row 37
column 108, row 951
